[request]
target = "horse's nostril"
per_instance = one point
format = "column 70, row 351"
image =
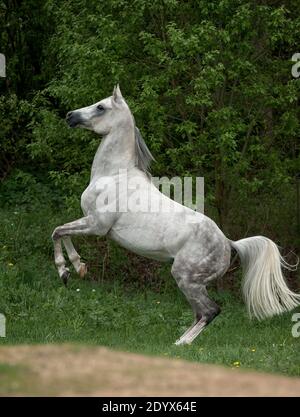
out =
column 73, row 118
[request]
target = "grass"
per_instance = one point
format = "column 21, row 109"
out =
column 39, row 309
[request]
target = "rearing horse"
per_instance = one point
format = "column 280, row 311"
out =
column 197, row 248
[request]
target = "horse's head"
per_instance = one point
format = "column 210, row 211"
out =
column 102, row 116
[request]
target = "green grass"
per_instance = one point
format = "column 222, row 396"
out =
column 39, row 309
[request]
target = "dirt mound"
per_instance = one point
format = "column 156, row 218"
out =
column 96, row 371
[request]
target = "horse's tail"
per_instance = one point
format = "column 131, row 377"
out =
column 264, row 288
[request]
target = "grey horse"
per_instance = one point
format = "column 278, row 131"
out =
column 192, row 242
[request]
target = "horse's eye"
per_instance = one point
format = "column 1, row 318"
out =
column 100, row 108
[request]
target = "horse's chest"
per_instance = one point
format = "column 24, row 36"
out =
column 89, row 198
column 99, row 193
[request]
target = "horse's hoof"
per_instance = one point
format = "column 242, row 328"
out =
column 83, row 270
column 65, row 276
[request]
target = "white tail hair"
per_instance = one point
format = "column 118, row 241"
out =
column 264, row 288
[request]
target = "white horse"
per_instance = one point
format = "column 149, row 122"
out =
column 197, row 248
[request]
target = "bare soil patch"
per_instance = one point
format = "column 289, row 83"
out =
column 68, row 370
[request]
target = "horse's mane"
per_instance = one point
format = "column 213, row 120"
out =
column 142, row 153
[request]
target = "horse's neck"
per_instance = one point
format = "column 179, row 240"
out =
column 116, row 151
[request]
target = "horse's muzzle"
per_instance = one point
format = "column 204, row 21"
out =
column 73, row 119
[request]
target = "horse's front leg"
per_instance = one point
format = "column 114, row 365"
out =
column 60, row 261
column 84, row 226
column 74, row 257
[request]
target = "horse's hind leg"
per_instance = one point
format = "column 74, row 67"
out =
column 207, row 311
column 74, row 257
column 204, row 308
column 194, row 267
column 192, row 280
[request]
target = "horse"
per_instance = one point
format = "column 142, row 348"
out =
column 192, row 242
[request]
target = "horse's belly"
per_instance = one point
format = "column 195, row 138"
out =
column 145, row 244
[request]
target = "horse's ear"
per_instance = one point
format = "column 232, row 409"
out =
column 117, row 95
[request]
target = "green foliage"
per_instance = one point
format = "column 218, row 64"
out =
column 26, row 191
column 16, row 114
